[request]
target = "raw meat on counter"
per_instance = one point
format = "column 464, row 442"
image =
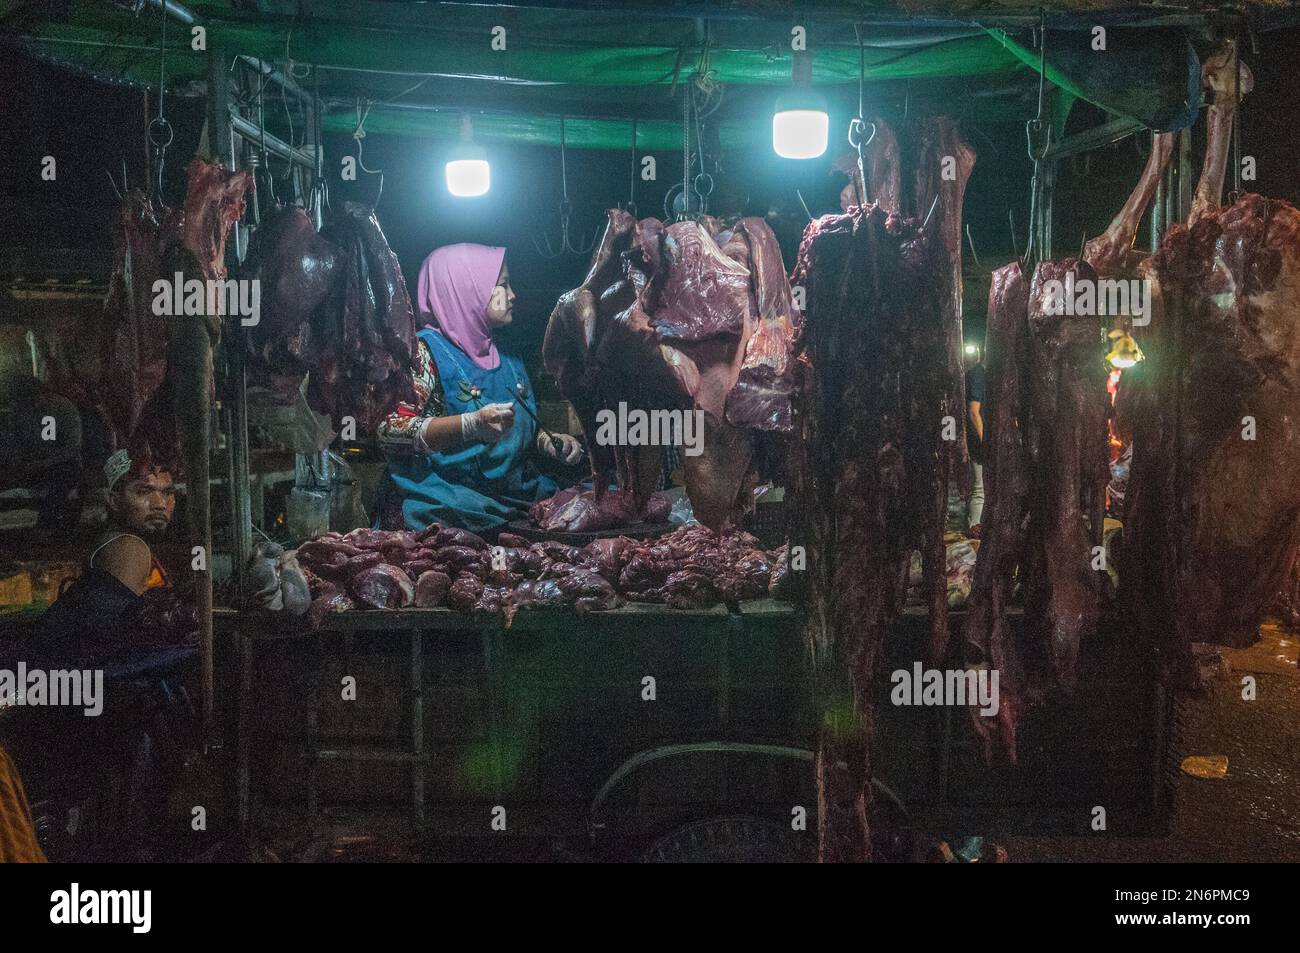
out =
column 690, row 568
column 575, row 510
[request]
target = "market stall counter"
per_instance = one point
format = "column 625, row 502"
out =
column 622, row 725
column 618, row 723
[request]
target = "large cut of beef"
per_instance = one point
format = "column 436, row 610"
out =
column 127, row 381
column 689, row 316
column 1213, row 508
column 575, row 510
column 1045, row 470
column 881, row 390
column 298, row 270
column 1212, row 512
column 334, row 304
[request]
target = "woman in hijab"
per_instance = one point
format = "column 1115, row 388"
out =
column 460, row 455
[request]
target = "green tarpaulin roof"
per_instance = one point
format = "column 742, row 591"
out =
column 419, row 64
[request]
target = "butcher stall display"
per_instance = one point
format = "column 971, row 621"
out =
column 688, row 316
column 931, row 509
column 689, row 568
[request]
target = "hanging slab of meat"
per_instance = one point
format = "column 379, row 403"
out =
column 569, row 347
column 127, row 346
column 368, row 342
column 1213, row 517
column 214, row 201
column 760, row 398
column 988, row 638
column 1068, row 456
column 696, row 292
column 664, row 321
column 872, row 467
column 1220, row 512
column 1045, row 430
column 298, row 271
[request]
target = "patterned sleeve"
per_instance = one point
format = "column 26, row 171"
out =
column 402, row 431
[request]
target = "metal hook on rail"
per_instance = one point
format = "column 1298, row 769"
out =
column 1038, row 137
column 565, row 245
column 159, row 132
column 630, row 205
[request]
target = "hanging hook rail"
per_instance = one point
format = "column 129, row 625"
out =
column 159, row 131
column 630, row 206
column 859, row 137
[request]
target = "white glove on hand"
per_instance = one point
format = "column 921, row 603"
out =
column 564, row 447
column 488, row 424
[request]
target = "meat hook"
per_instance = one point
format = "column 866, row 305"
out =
column 566, row 245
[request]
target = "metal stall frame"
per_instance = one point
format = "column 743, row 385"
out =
column 230, row 135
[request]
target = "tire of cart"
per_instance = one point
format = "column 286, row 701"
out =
column 731, row 840
column 731, row 832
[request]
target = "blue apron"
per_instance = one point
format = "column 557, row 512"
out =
column 481, row 485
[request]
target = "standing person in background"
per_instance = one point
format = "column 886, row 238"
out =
column 975, row 436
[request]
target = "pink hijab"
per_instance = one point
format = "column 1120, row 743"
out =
column 455, row 288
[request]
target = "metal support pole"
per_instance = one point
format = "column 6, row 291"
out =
column 1186, row 176
column 241, row 528
column 1158, row 216
column 418, row 763
column 1045, row 203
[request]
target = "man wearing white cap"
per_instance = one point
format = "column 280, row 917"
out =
column 141, row 502
column 121, row 565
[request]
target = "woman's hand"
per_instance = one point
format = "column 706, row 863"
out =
column 488, row 424
column 564, row 447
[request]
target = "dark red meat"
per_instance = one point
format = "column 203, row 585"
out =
column 1212, row 519
column 464, row 592
column 382, row 587
column 575, row 510
column 665, row 321
column 872, row 468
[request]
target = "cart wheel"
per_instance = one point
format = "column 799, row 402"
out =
column 731, row 840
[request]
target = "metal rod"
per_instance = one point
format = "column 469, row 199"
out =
column 251, row 132
column 1046, row 203
column 176, row 11
column 274, row 75
column 1094, row 138
column 839, row 13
